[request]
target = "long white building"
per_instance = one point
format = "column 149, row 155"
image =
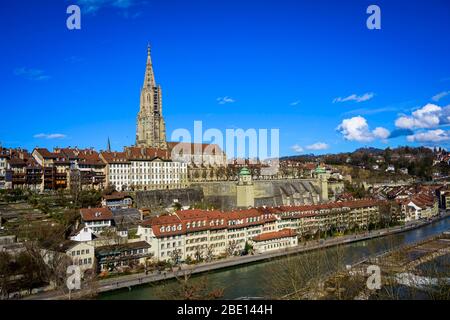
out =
column 199, row 234
column 140, row 168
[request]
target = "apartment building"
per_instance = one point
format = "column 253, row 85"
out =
column 22, row 170
column 55, row 169
column 87, row 169
column 194, row 234
column 97, row 219
column 4, row 156
column 275, row 240
column 142, row 168
column 119, row 256
column 117, row 170
column 81, row 253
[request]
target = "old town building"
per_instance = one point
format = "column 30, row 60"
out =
column 198, row 234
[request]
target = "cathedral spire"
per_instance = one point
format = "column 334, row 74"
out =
column 151, row 128
column 149, row 80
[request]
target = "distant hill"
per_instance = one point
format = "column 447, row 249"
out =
column 369, row 150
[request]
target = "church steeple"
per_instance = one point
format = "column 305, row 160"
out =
column 149, row 80
column 151, row 128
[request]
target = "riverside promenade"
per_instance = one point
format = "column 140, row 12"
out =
column 129, row 281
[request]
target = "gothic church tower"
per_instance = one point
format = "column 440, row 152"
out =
column 151, row 128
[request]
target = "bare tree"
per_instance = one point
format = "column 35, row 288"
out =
column 188, row 288
column 232, row 248
column 209, row 253
column 175, row 257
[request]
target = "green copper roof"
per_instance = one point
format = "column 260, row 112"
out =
column 244, row 172
column 320, row 170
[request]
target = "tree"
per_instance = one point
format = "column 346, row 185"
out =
column 6, row 273
column 220, row 172
column 177, row 206
column 187, row 288
column 75, row 185
column 175, row 257
column 209, row 254
column 198, row 255
column 232, row 248
column 248, row 248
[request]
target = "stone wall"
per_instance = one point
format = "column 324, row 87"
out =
column 222, row 194
column 158, row 200
column 269, row 193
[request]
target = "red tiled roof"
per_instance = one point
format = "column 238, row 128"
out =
column 285, row 233
column 140, row 153
column 96, row 214
column 45, row 153
column 114, row 157
column 177, row 224
column 89, row 157
column 117, row 196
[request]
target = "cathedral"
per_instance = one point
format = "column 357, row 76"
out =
column 151, row 128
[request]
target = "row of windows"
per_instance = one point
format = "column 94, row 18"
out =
column 168, row 245
column 156, row 164
column 84, row 261
column 195, row 240
column 276, row 245
column 80, row 252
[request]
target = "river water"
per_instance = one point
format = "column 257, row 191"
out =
column 251, row 280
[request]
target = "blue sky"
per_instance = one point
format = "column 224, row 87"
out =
column 310, row 68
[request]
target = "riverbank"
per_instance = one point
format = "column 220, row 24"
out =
column 130, row 281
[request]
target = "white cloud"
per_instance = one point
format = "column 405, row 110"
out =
column 355, row 97
column 297, row 148
column 295, row 103
column 429, row 116
column 357, row 129
column 381, row 133
column 440, row 95
column 437, row 135
column 31, row 74
column 50, row 136
column 318, row 146
column 224, row 100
